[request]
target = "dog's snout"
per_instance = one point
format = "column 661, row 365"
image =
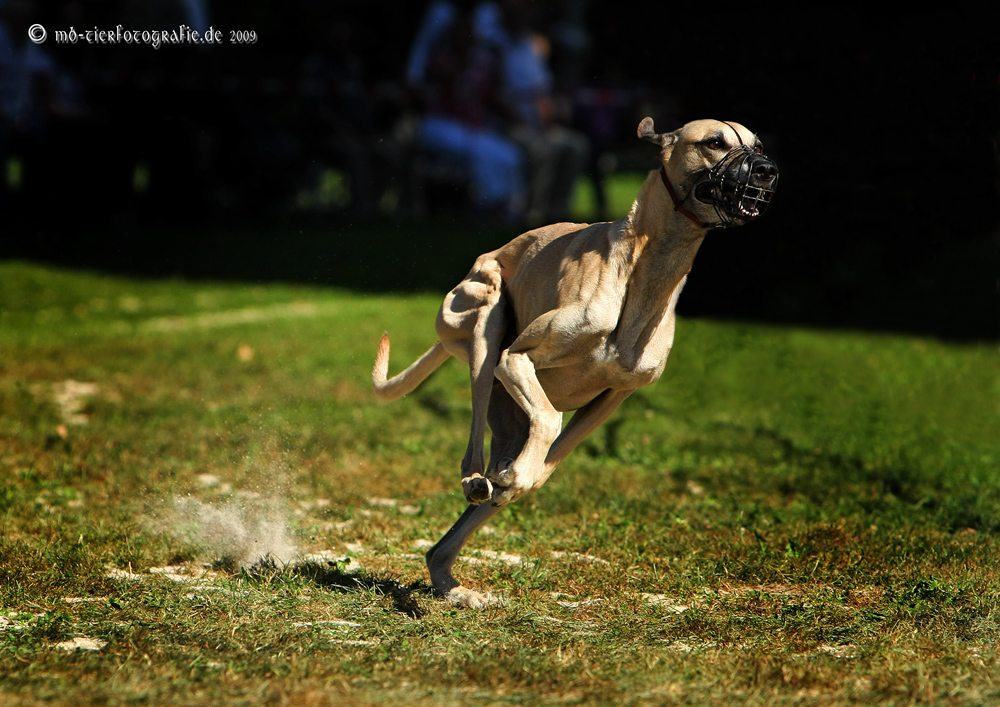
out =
column 764, row 171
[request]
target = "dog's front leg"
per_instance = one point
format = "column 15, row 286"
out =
column 584, row 421
column 517, row 373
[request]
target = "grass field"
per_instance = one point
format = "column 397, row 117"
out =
column 786, row 517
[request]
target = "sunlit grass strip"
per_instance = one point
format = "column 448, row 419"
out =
column 787, row 517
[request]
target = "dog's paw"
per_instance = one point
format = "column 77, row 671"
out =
column 468, row 598
column 509, row 483
column 503, row 473
column 502, row 495
column 477, row 489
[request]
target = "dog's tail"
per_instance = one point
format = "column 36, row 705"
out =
column 405, row 382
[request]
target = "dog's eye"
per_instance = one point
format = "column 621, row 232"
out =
column 713, row 144
column 757, row 149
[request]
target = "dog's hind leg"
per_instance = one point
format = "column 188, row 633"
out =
column 442, row 556
column 483, row 354
column 509, row 425
column 471, row 324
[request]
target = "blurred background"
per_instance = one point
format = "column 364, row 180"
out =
column 381, row 147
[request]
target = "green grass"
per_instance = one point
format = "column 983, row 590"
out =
column 620, row 190
column 786, row 517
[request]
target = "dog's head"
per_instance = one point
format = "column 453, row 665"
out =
column 718, row 168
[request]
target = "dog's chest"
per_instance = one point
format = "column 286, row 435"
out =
column 625, row 356
column 571, row 386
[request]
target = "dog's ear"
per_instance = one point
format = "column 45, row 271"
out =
column 646, row 132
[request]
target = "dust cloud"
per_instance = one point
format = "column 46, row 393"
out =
column 238, row 531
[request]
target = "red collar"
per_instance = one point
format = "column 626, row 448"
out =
column 679, row 205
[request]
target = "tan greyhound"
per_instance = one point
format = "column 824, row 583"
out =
column 575, row 317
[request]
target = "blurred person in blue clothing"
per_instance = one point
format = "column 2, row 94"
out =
column 556, row 154
column 27, row 73
column 457, row 80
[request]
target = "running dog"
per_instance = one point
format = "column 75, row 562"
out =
column 575, row 317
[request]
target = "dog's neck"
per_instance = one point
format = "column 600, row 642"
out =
column 678, row 202
column 663, row 244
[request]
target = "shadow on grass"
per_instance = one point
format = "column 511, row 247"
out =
column 948, row 290
column 377, row 256
column 823, row 478
column 331, row 576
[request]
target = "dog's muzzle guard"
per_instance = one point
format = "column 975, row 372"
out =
column 739, row 186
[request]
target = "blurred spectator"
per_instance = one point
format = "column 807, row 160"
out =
column 571, row 45
column 30, row 92
column 456, row 81
column 340, row 123
column 556, row 154
column 27, row 73
column 164, row 14
column 196, row 14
